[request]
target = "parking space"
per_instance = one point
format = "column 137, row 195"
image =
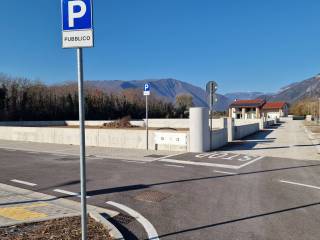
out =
column 213, row 159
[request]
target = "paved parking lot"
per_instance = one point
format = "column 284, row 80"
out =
column 212, row 159
column 287, row 140
column 172, row 200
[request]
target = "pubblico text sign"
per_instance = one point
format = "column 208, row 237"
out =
column 77, row 24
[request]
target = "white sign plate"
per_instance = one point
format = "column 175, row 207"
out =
column 146, row 93
column 77, row 24
column 76, row 39
column 179, row 139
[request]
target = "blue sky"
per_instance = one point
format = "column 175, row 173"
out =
column 247, row 45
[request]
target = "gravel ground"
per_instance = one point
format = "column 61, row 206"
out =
column 59, row 229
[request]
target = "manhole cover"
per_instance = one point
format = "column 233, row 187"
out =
column 123, row 219
column 152, row 196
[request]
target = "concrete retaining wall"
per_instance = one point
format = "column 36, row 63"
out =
column 219, row 138
column 246, row 130
column 116, row 138
column 33, row 123
column 168, row 123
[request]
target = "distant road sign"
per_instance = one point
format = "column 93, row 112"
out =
column 147, row 88
column 77, row 23
column 211, row 87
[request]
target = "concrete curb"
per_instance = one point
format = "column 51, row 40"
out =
column 114, row 232
column 73, row 205
column 58, row 201
column 312, row 138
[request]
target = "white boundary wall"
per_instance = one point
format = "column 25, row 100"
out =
column 115, row 138
column 198, row 135
column 245, row 130
column 219, row 138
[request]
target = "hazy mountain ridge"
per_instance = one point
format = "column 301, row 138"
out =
column 166, row 89
column 243, row 95
column 309, row 88
column 169, row 88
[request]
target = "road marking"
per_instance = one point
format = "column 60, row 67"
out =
column 248, row 163
column 67, row 192
column 230, row 173
column 300, row 184
column 151, row 231
column 169, row 156
column 24, row 182
column 199, row 163
column 172, row 165
column 131, row 161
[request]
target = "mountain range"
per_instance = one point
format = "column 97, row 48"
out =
column 169, row 88
column 166, row 89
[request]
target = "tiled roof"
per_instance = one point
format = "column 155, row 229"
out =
column 248, row 103
column 274, row 105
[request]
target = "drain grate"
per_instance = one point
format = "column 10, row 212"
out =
column 152, row 196
column 123, row 219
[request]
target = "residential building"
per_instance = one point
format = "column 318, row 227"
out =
column 246, row 109
column 275, row 110
column 257, row 108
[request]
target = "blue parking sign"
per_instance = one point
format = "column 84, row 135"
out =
column 76, row 14
column 77, row 23
column 147, row 87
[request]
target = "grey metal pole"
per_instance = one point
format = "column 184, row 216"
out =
column 318, row 110
column 147, row 124
column 82, row 146
column 211, row 106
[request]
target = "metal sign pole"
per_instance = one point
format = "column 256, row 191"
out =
column 211, row 106
column 82, row 146
column 147, row 124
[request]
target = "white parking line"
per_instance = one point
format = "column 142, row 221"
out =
column 199, row 163
column 24, row 182
column 131, row 161
column 300, row 184
column 248, row 163
column 67, row 192
column 219, row 165
column 230, row 173
column 169, row 156
column 151, row 231
column 172, row 165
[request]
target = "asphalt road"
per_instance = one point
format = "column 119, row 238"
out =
column 217, row 196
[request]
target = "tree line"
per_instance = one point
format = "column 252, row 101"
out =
column 22, row 99
column 308, row 106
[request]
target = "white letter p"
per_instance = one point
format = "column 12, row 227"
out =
column 73, row 15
